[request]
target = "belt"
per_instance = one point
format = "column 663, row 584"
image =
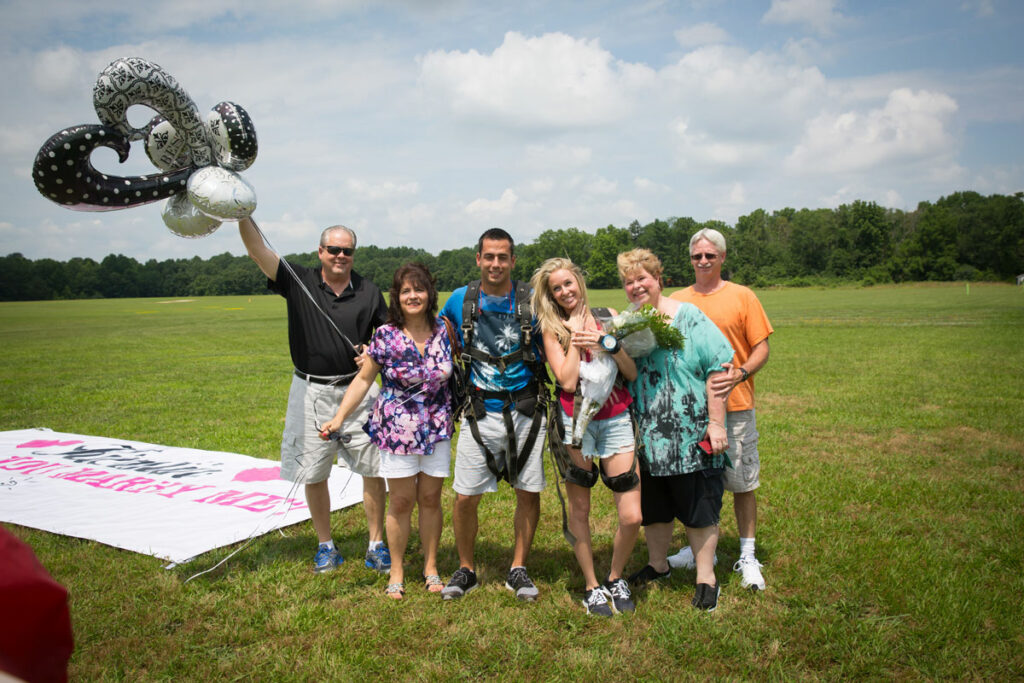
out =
column 336, row 380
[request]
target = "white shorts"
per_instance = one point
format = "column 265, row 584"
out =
column 473, row 477
column 437, row 464
column 745, row 473
column 305, row 457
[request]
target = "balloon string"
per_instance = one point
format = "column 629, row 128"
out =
column 291, row 492
column 306, row 291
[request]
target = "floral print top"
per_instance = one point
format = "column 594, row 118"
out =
column 413, row 411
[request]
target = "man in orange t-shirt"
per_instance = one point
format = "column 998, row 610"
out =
column 739, row 315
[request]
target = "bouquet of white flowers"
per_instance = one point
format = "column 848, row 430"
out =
column 641, row 330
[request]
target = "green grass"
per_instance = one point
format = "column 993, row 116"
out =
column 892, row 440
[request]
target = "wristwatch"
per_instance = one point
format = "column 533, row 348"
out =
column 745, row 373
column 610, row 343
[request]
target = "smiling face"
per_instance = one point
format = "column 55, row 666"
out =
column 413, row 298
column 336, row 266
column 565, row 290
column 495, row 261
column 706, row 259
column 641, row 287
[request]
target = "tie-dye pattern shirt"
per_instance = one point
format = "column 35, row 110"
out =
column 670, row 398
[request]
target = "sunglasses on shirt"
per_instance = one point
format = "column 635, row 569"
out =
column 334, row 251
column 709, row 257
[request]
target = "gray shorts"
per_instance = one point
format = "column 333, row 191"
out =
column 305, row 457
column 472, row 477
column 745, row 473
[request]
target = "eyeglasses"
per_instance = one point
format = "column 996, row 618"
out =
column 697, row 257
column 334, row 251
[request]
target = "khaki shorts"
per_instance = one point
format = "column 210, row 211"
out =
column 745, row 473
column 305, row 457
column 472, row 476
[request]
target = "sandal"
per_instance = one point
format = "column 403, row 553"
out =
column 395, row 591
column 433, row 583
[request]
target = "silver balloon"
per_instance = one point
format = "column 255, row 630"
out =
column 164, row 147
column 221, row 194
column 183, row 219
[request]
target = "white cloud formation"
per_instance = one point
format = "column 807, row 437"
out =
column 705, row 33
column 558, row 156
column 821, row 16
column 551, row 81
column 981, row 8
column 387, row 189
column 912, row 126
column 493, row 207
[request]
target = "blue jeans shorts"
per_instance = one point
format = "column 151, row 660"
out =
column 603, row 438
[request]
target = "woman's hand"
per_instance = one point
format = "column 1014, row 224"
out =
column 719, row 438
column 332, row 425
column 586, row 339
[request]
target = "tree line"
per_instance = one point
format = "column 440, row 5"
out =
column 965, row 236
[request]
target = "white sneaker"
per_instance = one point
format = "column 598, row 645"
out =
column 751, row 570
column 684, row 559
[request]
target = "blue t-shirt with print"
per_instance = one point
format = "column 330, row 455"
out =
column 496, row 332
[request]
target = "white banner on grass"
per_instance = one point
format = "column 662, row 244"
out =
column 173, row 503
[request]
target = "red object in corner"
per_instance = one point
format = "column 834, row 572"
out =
column 35, row 625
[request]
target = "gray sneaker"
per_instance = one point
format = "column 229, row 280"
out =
column 596, row 602
column 462, row 581
column 519, row 582
column 622, row 599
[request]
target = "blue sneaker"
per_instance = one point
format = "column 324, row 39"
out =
column 326, row 559
column 379, row 558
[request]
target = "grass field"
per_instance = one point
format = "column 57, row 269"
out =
column 892, row 442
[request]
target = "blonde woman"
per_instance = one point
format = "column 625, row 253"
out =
column 571, row 334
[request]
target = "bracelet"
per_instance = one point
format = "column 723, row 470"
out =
column 712, row 422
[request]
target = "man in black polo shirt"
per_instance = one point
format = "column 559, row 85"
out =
column 330, row 309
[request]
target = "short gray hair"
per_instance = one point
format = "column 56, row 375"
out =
column 711, row 235
column 335, row 228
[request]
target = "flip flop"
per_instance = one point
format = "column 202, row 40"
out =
column 395, row 591
column 432, row 582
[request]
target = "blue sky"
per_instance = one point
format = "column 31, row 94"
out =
column 422, row 123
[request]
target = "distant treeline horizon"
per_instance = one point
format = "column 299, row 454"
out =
column 964, row 236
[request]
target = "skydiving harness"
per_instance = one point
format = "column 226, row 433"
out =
column 531, row 400
column 568, row 471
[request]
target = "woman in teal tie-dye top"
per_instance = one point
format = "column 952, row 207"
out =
column 675, row 413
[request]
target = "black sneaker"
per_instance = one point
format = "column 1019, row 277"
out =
column 648, row 574
column 622, row 599
column 462, row 581
column 596, row 602
column 519, row 582
column 706, row 597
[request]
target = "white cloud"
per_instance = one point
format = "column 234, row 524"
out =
column 821, row 16
column 491, row 207
column 648, row 185
column 388, row 189
column 601, row 186
column 701, row 34
column 558, row 156
column 912, row 126
column 552, row 81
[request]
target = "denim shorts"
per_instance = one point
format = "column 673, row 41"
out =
column 603, row 438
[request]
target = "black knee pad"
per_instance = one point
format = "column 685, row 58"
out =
column 620, row 483
column 580, row 476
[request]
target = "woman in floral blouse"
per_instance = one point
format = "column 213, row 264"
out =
column 411, row 421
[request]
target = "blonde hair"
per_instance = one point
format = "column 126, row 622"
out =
column 549, row 314
column 635, row 259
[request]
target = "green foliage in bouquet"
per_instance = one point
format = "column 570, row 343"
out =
column 648, row 317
